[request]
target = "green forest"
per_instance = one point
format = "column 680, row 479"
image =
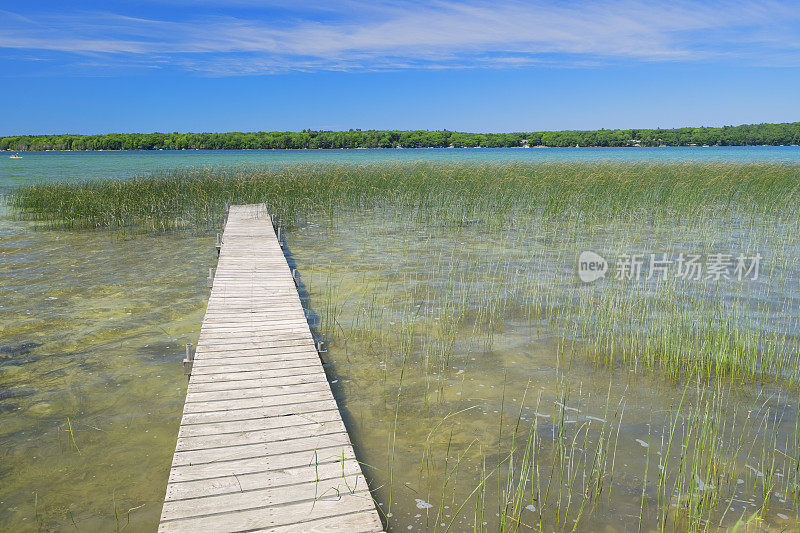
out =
column 745, row 135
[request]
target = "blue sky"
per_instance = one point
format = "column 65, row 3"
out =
column 214, row 65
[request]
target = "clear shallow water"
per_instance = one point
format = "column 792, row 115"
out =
column 39, row 166
column 451, row 310
column 93, row 324
column 93, row 328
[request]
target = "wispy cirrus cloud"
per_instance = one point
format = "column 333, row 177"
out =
column 253, row 39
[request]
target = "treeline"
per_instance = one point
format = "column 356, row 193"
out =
column 746, row 135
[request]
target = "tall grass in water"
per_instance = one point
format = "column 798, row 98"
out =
column 473, row 282
column 438, row 193
column 485, row 249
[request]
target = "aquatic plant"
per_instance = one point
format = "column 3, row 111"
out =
column 487, row 387
column 451, row 194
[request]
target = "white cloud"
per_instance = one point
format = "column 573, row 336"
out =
column 443, row 34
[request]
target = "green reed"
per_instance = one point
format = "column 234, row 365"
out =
column 728, row 349
column 452, row 194
column 468, row 253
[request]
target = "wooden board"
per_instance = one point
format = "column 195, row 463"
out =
column 262, row 445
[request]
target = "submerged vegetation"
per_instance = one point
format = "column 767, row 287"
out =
column 487, row 388
column 744, row 135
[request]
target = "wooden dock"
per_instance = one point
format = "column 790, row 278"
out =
column 262, row 445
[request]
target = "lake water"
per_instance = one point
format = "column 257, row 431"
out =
column 37, row 166
column 92, row 325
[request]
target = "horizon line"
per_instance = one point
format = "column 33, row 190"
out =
column 311, row 130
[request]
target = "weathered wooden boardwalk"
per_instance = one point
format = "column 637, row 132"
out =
column 261, row 445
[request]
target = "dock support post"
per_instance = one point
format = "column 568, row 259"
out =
column 189, row 359
column 210, row 279
column 219, row 242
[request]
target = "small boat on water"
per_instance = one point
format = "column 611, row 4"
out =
column 15, row 156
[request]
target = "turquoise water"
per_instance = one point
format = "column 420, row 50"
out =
column 38, row 166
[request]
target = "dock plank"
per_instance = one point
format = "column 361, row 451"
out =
column 261, row 445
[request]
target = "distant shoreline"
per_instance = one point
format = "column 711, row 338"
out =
column 10, row 150
column 784, row 134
